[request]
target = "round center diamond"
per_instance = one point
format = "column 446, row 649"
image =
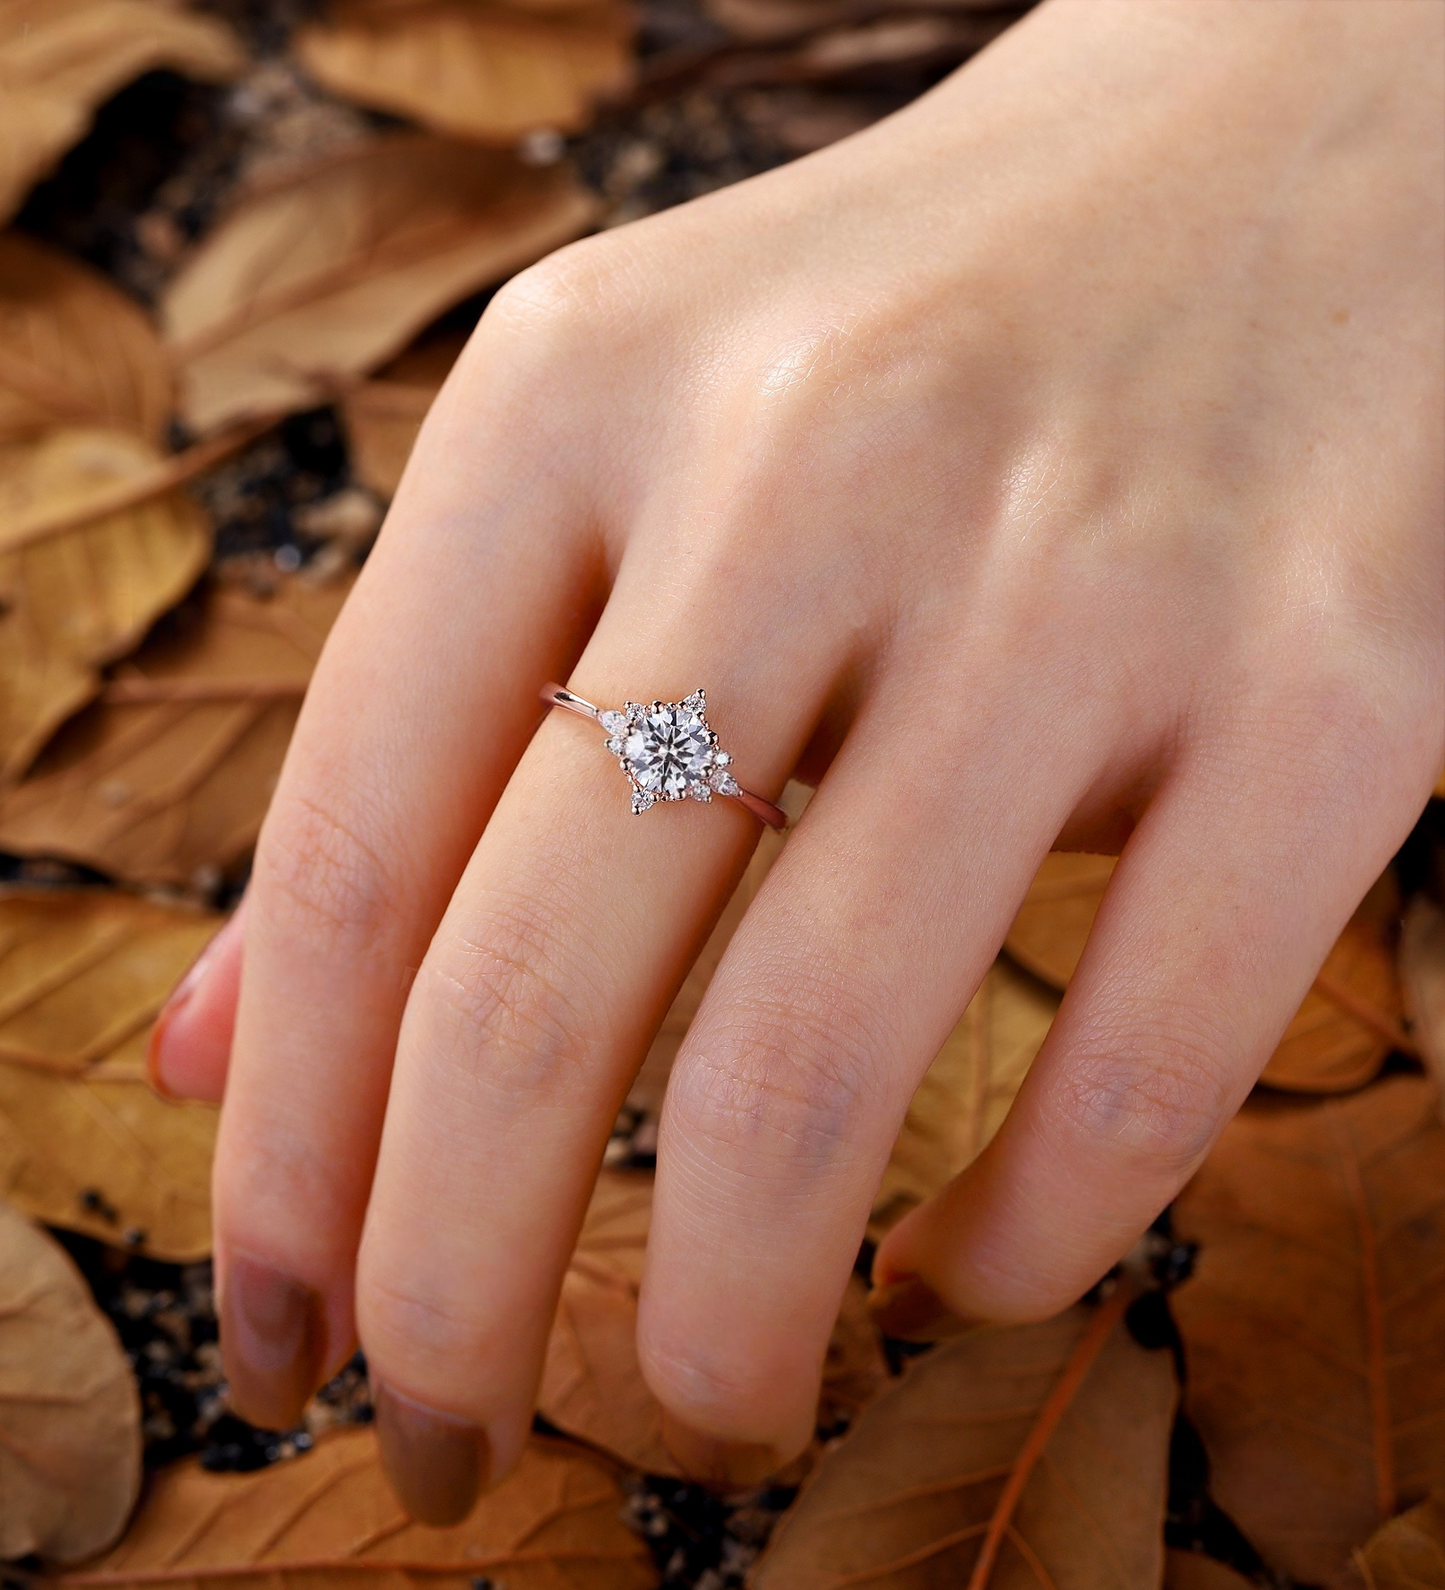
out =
column 668, row 750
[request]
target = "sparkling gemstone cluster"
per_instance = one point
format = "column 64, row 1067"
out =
column 668, row 752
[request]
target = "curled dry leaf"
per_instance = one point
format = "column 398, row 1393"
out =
column 1408, row 1553
column 73, row 349
column 84, row 1142
column 967, row 1091
column 1422, row 972
column 319, row 277
column 1034, row 1455
column 1349, row 1021
column 471, row 70
column 60, row 58
column 329, row 1518
column 592, row 1386
column 171, row 771
column 383, row 415
column 75, row 599
column 1313, row 1321
column 70, row 1444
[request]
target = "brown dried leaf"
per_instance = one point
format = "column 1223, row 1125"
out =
column 1408, row 1553
column 76, row 599
column 171, row 771
column 1187, row 1570
column 469, row 70
column 1339, row 1038
column 1052, row 926
column 1422, row 973
column 60, row 58
column 84, row 1142
column 70, row 1442
column 383, row 415
column 989, row 1430
column 320, row 277
column 329, row 1518
column 967, row 1091
column 1313, row 1321
column 73, row 349
column 592, row 1386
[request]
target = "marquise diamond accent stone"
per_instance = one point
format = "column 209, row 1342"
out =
column 723, row 781
column 613, row 722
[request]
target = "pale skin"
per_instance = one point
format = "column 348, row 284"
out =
column 1056, row 464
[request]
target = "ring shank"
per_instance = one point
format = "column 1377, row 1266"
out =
column 774, row 816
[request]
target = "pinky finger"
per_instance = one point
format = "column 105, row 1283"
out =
column 1222, row 908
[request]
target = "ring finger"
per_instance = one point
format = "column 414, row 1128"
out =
column 572, row 927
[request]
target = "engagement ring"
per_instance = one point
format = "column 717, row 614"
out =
column 668, row 752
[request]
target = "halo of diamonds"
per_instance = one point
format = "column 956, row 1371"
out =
column 668, row 751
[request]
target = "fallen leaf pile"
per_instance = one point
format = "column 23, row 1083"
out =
column 1255, row 1397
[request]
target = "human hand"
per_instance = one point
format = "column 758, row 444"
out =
column 1058, row 462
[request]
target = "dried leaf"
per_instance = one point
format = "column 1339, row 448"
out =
column 469, row 70
column 1408, row 1553
column 84, row 1142
column 74, row 600
column 169, row 774
column 329, row 1518
column 1422, row 972
column 73, row 349
column 1349, row 1021
column 70, row 1442
column 1313, row 1321
column 1052, row 926
column 1054, row 1435
column 60, row 58
column 592, row 1386
column 383, row 415
column 1187, row 1570
column 967, row 1091
column 320, row 277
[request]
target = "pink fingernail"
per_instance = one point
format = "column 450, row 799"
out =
column 181, row 996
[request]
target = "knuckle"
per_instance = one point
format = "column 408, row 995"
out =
column 786, row 1077
column 1156, row 1098
column 568, row 297
column 320, row 874
column 527, row 1018
column 405, row 1323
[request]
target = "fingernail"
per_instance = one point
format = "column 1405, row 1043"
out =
column 722, row 1465
column 437, row 1464
column 909, row 1310
column 273, row 1342
column 180, row 997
